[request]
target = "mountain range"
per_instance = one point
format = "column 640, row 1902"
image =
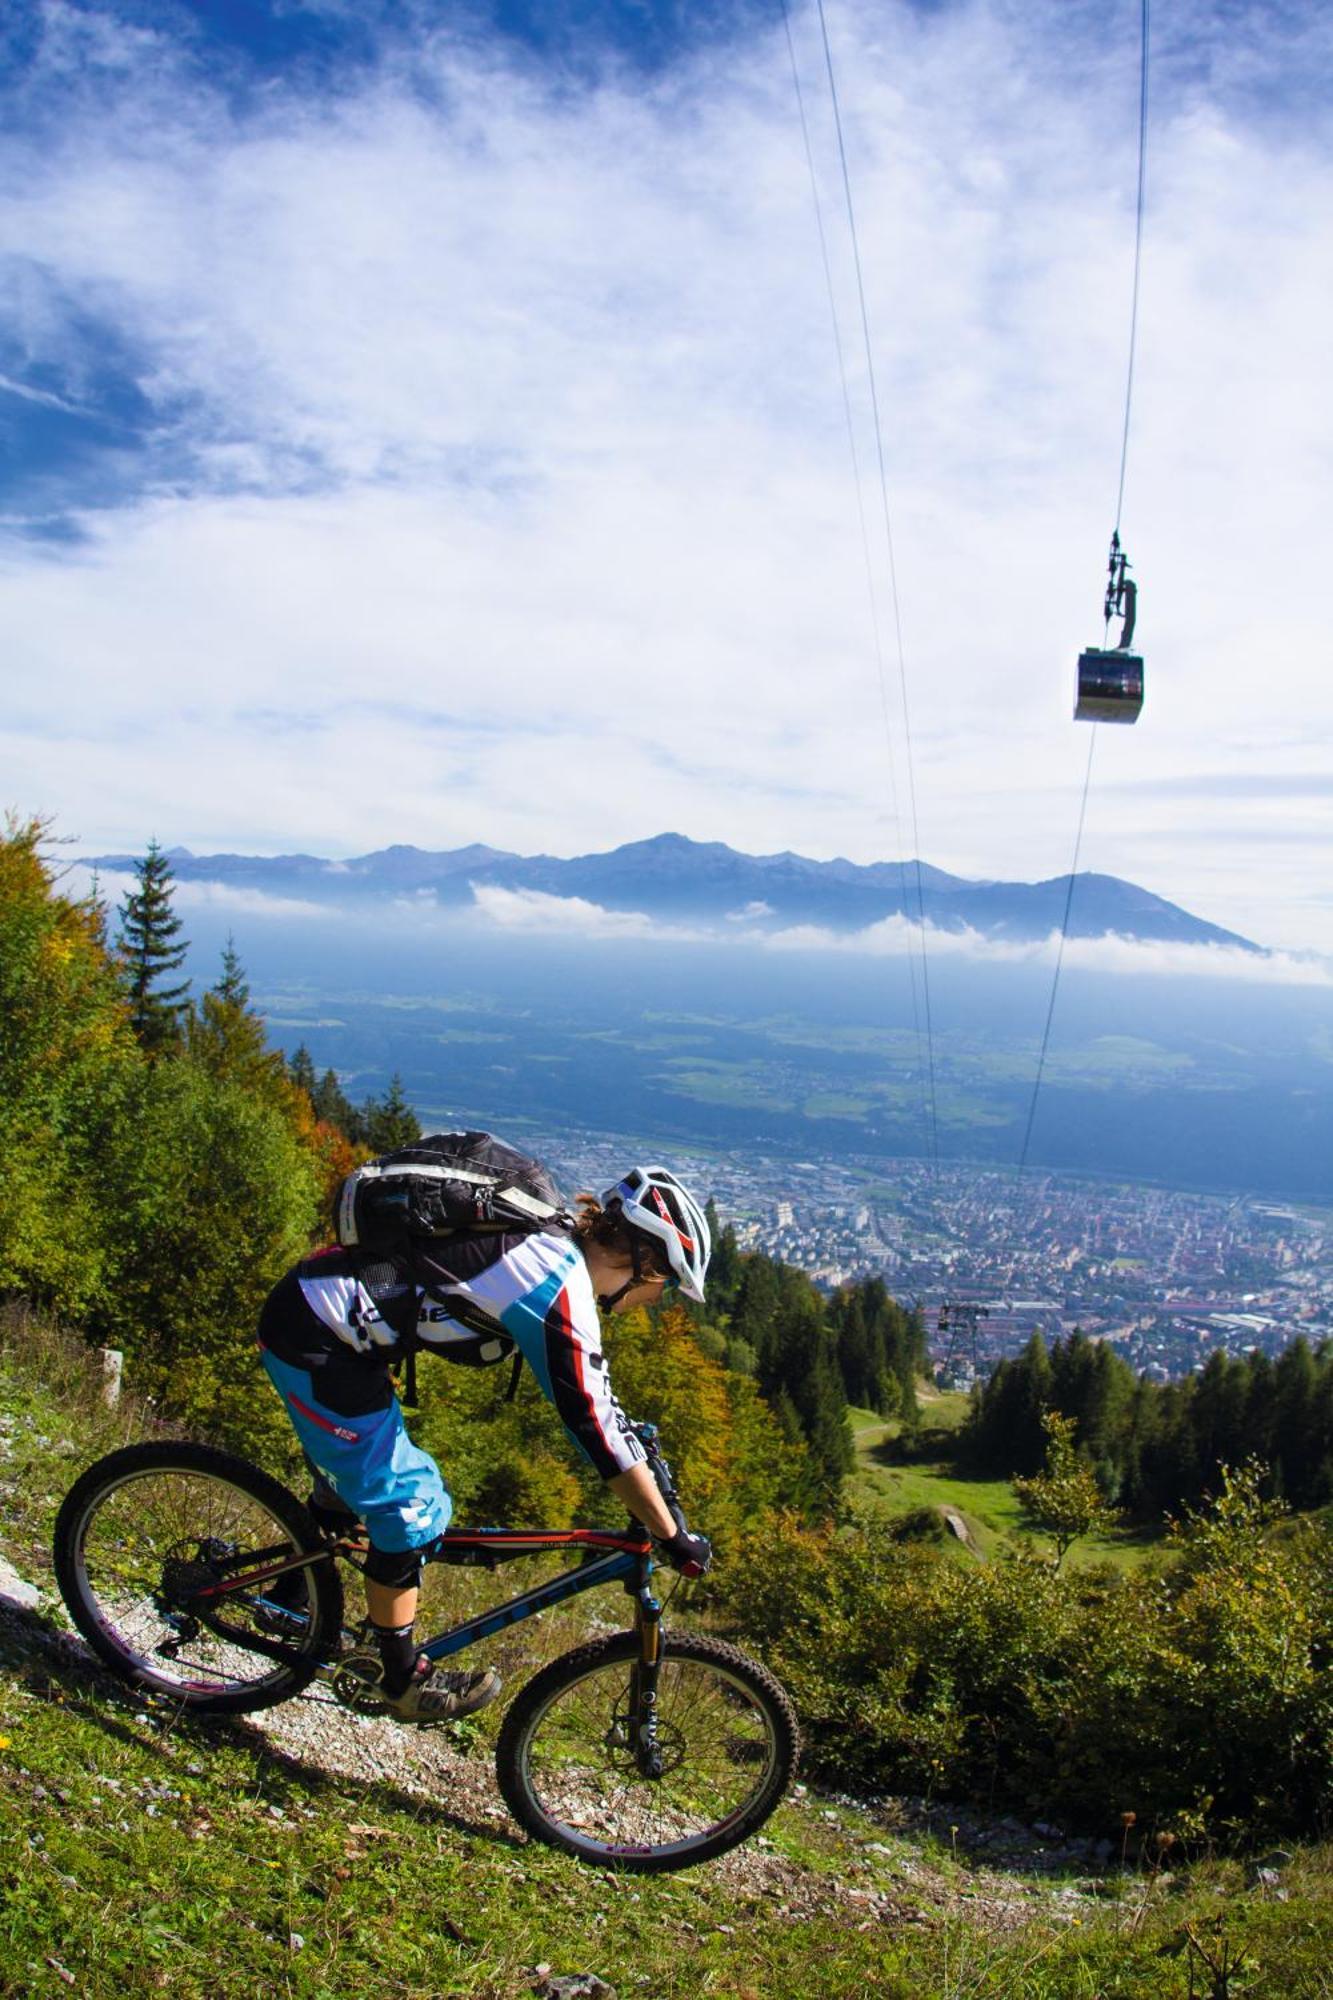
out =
column 673, row 878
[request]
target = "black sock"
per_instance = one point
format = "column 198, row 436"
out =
column 398, row 1653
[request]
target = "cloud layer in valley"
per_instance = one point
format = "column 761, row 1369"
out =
column 895, row 937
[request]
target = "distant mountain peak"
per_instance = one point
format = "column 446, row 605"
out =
column 671, row 877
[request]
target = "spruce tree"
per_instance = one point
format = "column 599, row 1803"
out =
column 233, row 988
column 335, row 1107
column 98, row 914
column 390, row 1121
column 724, row 1268
column 1295, row 1431
column 149, row 953
column 229, row 1037
column 301, row 1070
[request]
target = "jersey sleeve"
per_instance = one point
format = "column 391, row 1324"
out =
column 542, row 1295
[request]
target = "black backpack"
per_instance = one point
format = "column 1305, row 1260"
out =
column 450, row 1183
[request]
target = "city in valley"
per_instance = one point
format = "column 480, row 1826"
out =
column 1167, row 1276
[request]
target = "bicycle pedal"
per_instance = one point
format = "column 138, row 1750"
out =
column 356, row 1683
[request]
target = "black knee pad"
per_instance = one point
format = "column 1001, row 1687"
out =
column 400, row 1571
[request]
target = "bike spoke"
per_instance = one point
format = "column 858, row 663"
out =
column 715, row 1743
column 148, row 1545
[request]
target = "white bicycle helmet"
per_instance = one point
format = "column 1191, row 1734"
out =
column 654, row 1204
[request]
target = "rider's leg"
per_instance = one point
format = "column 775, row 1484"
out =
column 388, row 1606
column 349, row 1422
column 332, row 1514
column 392, row 1594
column 414, row 1688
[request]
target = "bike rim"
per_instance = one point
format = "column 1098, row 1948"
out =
column 719, row 1745
column 138, row 1541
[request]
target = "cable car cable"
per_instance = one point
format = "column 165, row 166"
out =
column 893, row 568
column 1121, row 599
column 1138, row 257
column 876, row 631
column 1059, row 959
column 1110, row 678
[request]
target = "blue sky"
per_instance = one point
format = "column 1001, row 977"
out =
column 424, row 423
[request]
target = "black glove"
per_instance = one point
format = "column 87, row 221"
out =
column 690, row 1554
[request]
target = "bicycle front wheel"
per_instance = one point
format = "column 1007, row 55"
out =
column 727, row 1743
column 142, row 1543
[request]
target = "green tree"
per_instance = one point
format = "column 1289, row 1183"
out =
column 150, row 950
column 335, row 1107
column 151, row 1202
column 389, row 1121
column 229, row 1038
column 232, row 988
column 1004, row 1431
column 1063, row 1499
column 67, row 1060
column 215, row 1194
column 301, row 1070
column 725, row 1265
column 1296, row 1453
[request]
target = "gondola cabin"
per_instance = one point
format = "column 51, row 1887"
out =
column 1110, row 685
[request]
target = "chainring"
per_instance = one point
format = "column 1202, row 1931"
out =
column 355, row 1682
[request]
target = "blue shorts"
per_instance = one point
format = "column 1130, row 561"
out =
column 370, row 1462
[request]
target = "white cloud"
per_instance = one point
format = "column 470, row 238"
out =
column 895, row 937
column 518, row 404
column 573, row 916
column 42, row 397
column 536, row 912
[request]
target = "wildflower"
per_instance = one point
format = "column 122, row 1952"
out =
column 4, row 1742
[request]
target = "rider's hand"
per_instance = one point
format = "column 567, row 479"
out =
column 690, row 1554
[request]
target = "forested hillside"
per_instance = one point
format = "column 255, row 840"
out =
column 1158, row 1448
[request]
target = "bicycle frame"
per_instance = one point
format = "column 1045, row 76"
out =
column 626, row 1558
column 618, row 1558
column 615, row 1558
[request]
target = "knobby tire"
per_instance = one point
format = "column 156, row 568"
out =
column 567, row 1769
column 143, row 1525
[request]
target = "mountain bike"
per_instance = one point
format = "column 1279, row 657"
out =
column 198, row 1577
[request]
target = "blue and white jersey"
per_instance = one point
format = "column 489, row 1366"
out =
column 533, row 1289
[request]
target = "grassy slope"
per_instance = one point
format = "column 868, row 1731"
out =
column 140, row 1853
column 987, row 1505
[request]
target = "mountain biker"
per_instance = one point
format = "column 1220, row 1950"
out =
column 332, row 1326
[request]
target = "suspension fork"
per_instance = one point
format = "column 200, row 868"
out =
column 643, row 1680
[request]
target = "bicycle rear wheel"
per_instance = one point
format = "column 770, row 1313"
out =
column 147, row 1533
column 726, row 1731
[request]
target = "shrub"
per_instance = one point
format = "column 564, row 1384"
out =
column 1197, row 1693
